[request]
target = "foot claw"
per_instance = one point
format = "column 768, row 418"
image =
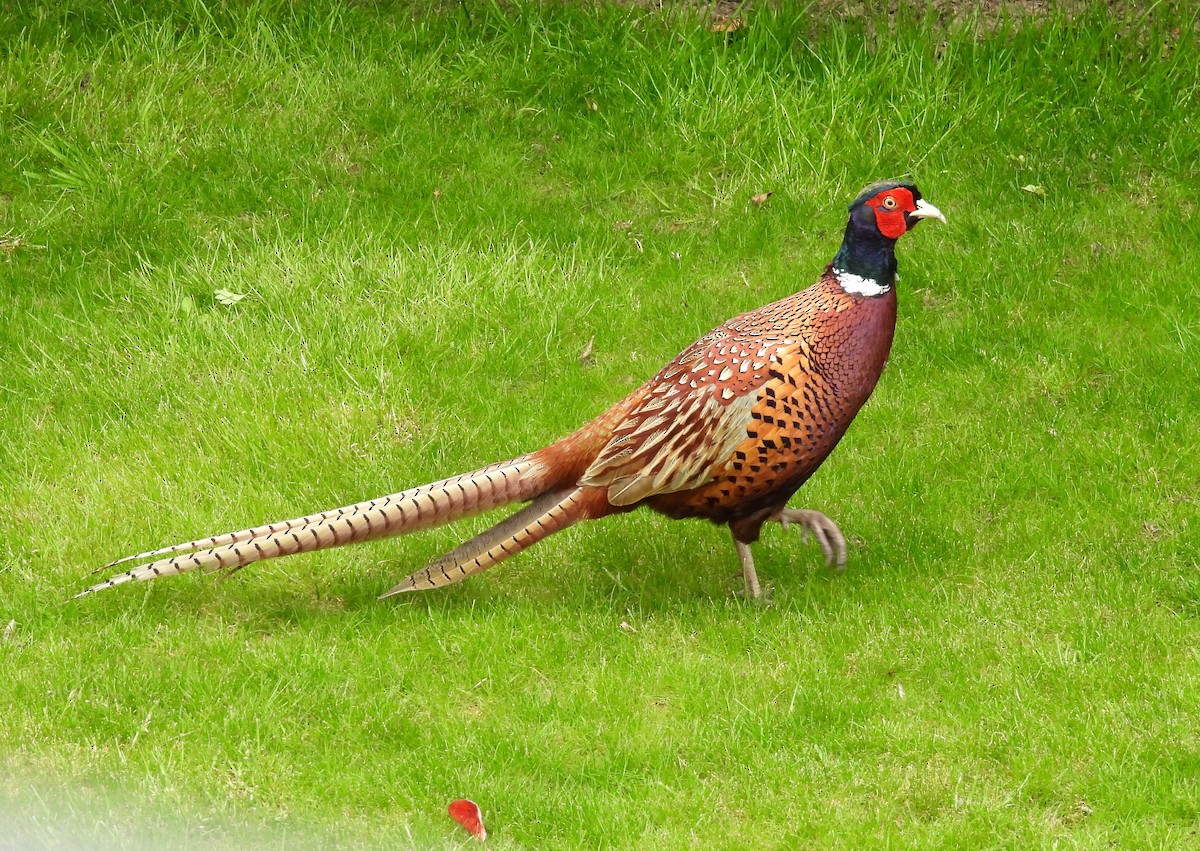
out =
column 828, row 535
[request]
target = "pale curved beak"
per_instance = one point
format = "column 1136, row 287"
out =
column 927, row 211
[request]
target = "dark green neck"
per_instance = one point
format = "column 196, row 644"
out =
column 866, row 252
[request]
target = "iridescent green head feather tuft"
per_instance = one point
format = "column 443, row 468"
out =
column 878, row 186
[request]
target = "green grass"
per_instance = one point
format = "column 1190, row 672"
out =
column 432, row 215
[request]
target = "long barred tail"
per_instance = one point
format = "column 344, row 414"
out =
column 553, row 511
column 517, row 480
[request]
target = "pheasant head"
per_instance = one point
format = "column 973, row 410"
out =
column 880, row 215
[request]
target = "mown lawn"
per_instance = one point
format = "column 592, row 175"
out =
column 432, row 216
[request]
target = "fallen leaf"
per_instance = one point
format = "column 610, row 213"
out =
column 228, row 298
column 1034, row 189
column 10, row 242
column 729, row 25
column 468, row 814
column 761, row 198
column 437, row 193
column 586, row 355
column 627, row 627
column 592, row 105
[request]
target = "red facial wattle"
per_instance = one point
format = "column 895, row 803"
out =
column 889, row 214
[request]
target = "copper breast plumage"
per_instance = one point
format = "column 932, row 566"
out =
column 740, row 419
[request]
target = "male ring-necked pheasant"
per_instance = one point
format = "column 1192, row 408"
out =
column 727, row 431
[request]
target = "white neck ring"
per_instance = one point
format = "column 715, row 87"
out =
column 858, row 285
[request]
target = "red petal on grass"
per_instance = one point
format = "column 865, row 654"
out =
column 468, row 815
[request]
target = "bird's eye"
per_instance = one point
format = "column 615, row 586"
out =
column 889, row 203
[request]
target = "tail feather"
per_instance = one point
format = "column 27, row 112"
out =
column 418, row 508
column 277, row 527
column 552, row 512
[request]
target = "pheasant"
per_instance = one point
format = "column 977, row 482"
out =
column 727, row 431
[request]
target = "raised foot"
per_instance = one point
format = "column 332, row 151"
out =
column 828, row 535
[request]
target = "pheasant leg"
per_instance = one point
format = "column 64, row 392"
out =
column 749, row 574
column 828, row 535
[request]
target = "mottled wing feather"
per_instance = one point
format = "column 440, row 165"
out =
column 691, row 417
